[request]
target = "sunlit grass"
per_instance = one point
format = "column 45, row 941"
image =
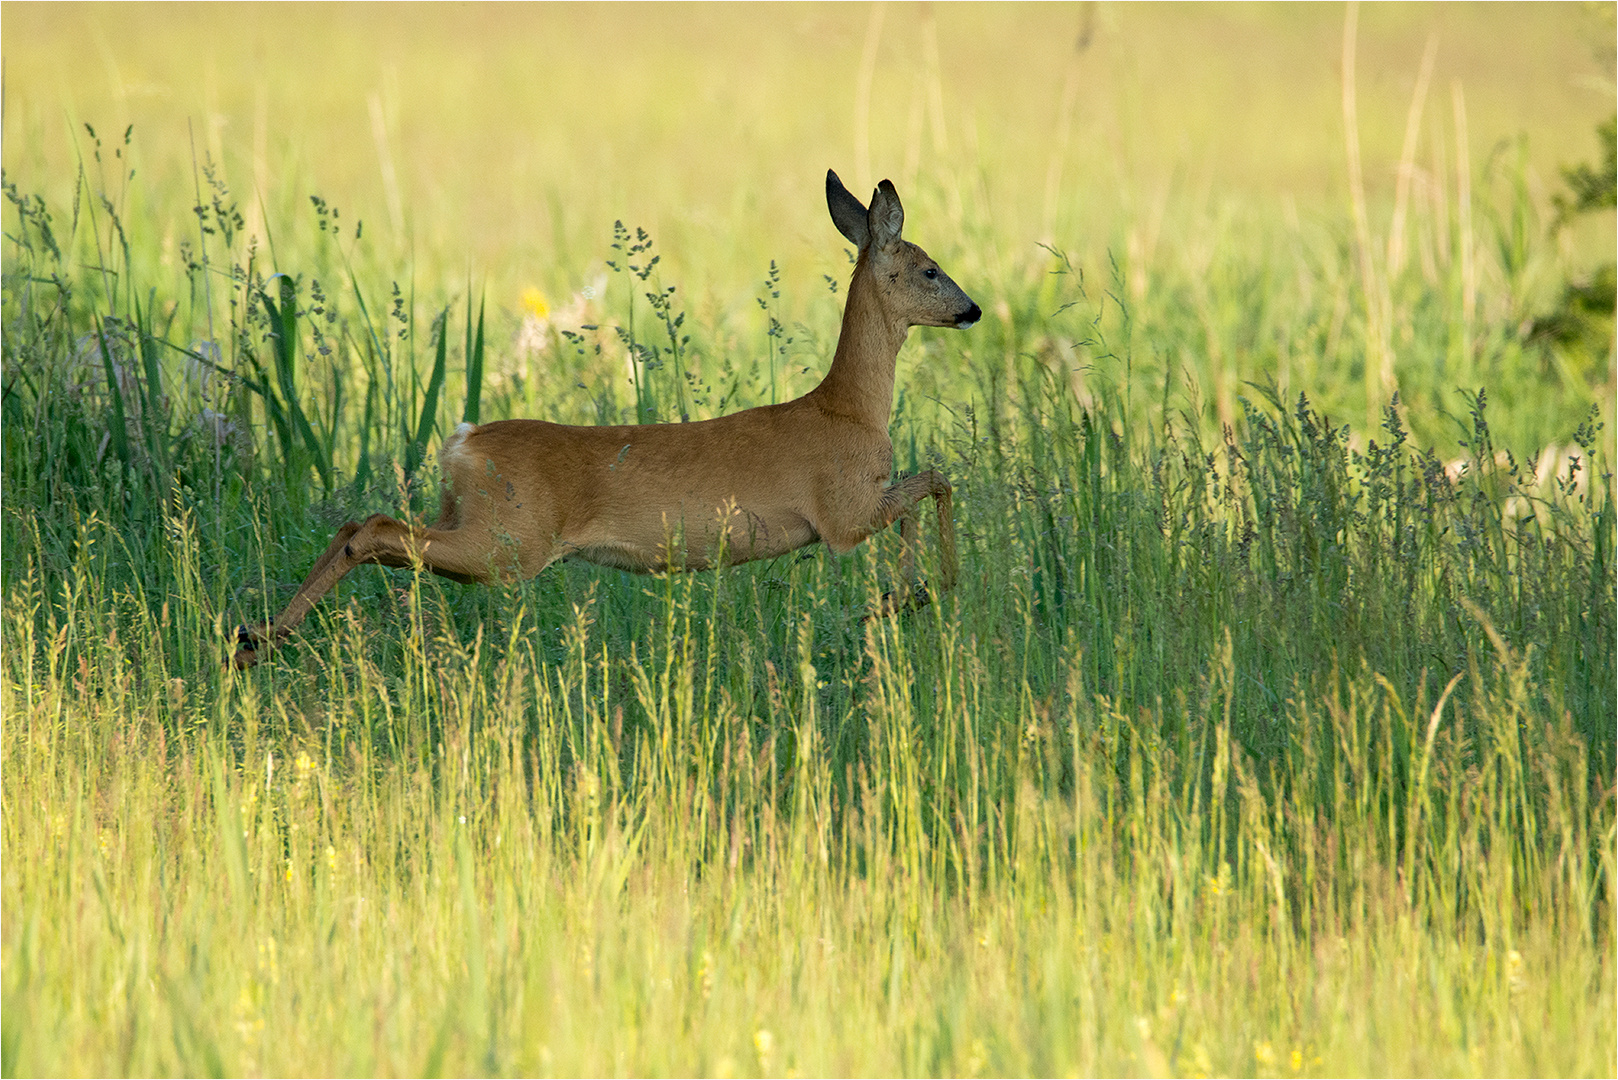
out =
column 720, row 849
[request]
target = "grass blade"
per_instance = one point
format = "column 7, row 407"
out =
column 429, row 407
column 284, row 332
column 474, row 360
column 120, row 437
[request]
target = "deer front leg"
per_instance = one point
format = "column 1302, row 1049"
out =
column 899, row 503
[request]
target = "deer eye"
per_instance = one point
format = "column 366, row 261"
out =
column 931, row 272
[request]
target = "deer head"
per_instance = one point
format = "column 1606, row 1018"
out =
column 910, row 285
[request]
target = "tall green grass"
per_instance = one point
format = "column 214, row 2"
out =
column 1082, row 816
column 1250, row 741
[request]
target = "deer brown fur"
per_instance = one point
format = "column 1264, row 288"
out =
column 520, row 494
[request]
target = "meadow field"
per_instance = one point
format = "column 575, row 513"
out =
column 1270, row 729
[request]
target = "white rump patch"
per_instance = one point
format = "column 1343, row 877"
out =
column 454, row 448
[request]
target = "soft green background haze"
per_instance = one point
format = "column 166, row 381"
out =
column 516, row 134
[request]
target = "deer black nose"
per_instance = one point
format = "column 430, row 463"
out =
column 968, row 317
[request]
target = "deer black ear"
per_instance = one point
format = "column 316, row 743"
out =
column 847, row 212
column 887, row 216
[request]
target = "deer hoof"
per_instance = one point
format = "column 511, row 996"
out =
column 248, row 641
column 899, row 601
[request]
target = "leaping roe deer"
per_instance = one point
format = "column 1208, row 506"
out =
column 520, row 494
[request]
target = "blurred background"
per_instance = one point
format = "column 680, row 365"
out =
column 513, row 135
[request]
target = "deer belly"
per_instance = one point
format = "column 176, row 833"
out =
column 724, row 535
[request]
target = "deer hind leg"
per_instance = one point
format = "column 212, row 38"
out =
column 250, row 637
column 465, row 555
column 899, row 503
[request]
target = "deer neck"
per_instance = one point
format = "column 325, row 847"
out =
column 860, row 382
